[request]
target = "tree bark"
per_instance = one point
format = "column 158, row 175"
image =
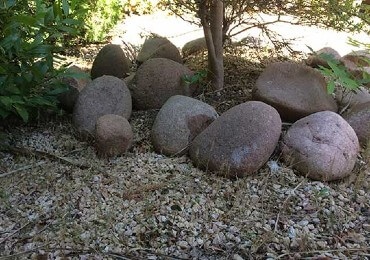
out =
column 211, row 14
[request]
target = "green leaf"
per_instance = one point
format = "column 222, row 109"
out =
column 25, row 20
column 22, row 112
column 57, row 91
column 4, row 113
column 65, row 7
column 331, row 87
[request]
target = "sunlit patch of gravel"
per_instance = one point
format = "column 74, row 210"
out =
column 145, row 205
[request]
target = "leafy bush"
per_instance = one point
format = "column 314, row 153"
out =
column 29, row 41
column 100, row 16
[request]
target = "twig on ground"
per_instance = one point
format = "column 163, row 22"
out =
column 27, row 167
column 34, row 152
column 324, row 251
column 15, row 232
column 284, row 204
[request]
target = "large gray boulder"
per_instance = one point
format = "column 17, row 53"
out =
column 104, row 95
column 113, row 135
column 359, row 119
column 158, row 48
column 194, row 46
column 295, row 90
column 239, row 142
column 111, row 60
column 321, row 146
column 178, row 122
column 156, row 81
column 315, row 60
column 75, row 85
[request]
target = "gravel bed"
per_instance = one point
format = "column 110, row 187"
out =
column 148, row 206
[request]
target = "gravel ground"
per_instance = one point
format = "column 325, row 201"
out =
column 148, row 206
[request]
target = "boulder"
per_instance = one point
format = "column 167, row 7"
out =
column 321, row 146
column 239, row 142
column 158, row 48
column 359, row 118
column 360, row 96
column 194, row 46
column 178, row 122
column 104, row 95
column 156, row 81
column 75, row 84
column 315, row 60
column 295, row 90
column 113, row 135
column 111, row 60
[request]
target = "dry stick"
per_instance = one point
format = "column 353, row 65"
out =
column 284, row 204
column 22, row 253
column 15, row 232
column 21, row 169
column 325, row 251
column 33, row 152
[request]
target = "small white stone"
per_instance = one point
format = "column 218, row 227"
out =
column 237, row 257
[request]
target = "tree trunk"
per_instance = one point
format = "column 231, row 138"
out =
column 211, row 13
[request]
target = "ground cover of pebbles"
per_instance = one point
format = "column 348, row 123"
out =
column 148, row 206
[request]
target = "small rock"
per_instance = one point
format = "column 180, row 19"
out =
column 237, row 257
column 113, row 135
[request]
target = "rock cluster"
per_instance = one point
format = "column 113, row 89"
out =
column 104, row 95
column 320, row 144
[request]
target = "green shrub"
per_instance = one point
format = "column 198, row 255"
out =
column 100, row 16
column 30, row 38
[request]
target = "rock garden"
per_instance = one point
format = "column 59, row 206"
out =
column 151, row 165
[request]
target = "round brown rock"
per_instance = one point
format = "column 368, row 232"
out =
column 194, row 46
column 295, row 90
column 355, row 62
column 75, row 84
column 239, row 142
column 359, row 118
column 104, row 95
column 156, row 81
column 111, row 60
column 178, row 122
column 350, row 98
column 113, row 135
column 158, row 48
column 315, row 60
column 321, row 146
